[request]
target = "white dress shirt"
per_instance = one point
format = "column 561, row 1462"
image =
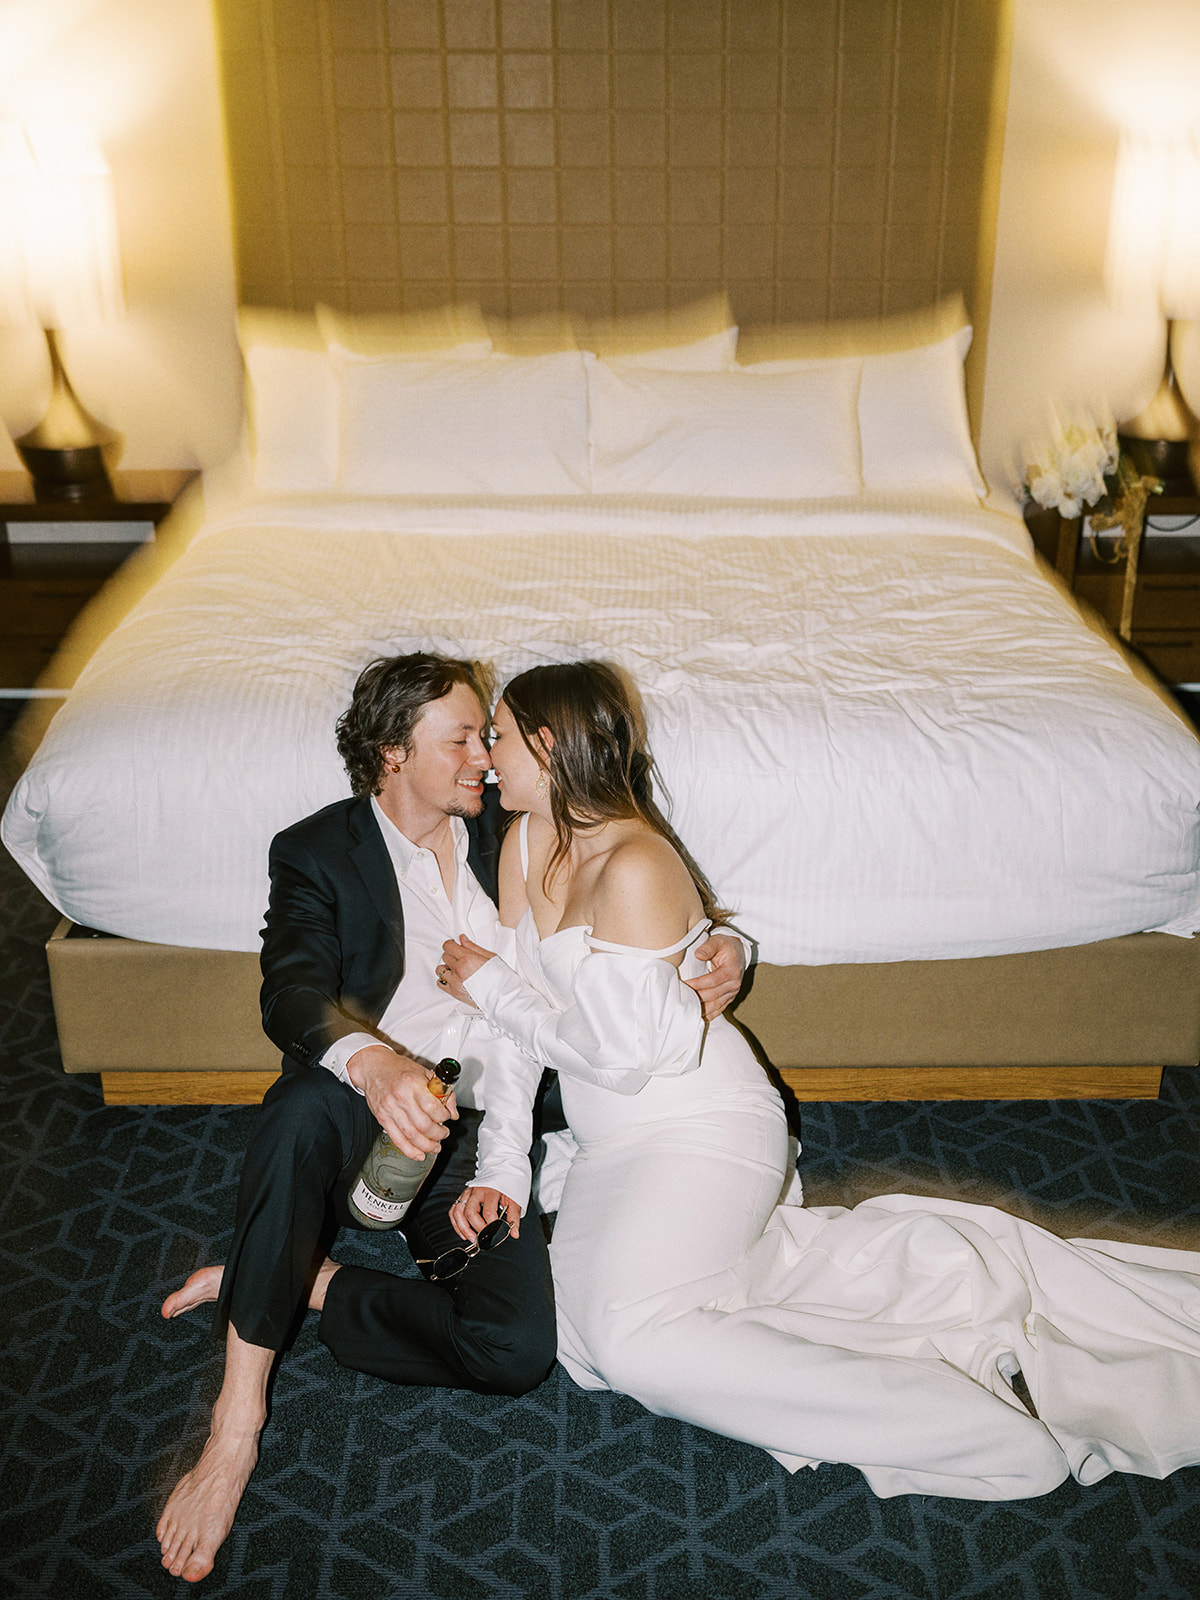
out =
column 422, row 1019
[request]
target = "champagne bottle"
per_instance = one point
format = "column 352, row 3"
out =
column 389, row 1180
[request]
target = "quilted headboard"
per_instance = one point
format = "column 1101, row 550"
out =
column 816, row 159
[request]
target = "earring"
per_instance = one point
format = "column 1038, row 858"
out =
column 542, row 787
column 393, row 766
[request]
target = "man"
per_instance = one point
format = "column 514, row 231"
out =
column 363, row 896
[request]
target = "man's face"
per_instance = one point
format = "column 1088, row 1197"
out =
column 445, row 768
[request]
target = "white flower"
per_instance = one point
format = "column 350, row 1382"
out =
column 1045, row 485
column 1075, row 468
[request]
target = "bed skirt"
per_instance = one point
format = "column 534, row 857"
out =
column 163, row 1024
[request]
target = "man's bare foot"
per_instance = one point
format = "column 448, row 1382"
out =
column 203, row 1504
column 316, row 1299
column 202, row 1286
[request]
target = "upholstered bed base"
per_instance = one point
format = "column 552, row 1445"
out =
column 168, row 1025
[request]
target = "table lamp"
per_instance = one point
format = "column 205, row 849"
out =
column 60, row 269
column 1154, row 261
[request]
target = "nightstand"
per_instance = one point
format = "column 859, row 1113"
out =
column 1166, row 600
column 56, row 554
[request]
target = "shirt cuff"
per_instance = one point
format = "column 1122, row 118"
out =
column 487, row 983
column 338, row 1055
column 513, row 1178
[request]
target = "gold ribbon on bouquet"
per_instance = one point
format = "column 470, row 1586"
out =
column 1128, row 512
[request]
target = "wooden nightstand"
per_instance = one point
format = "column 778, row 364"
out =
column 56, row 554
column 1166, row 601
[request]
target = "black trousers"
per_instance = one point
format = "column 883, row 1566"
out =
column 490, row 1328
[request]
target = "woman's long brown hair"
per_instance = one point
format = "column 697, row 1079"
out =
column 600, row 769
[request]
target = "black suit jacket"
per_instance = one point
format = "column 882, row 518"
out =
column 333, row 944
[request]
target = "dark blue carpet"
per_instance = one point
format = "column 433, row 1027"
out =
column 370, row 1493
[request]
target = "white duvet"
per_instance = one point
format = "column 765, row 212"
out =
column 882, row 732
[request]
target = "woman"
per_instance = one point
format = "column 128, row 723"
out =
column 888, row 1336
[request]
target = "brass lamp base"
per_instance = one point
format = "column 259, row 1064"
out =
column 1160, row 438
column 1164, row 459
column 69, row 454
column 66, row 474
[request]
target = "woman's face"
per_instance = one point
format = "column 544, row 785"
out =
column 516, row 767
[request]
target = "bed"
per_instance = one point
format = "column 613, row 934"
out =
column 959, row 827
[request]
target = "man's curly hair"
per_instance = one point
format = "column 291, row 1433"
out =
column 388, row 700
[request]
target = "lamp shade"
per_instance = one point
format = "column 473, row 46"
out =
column 1154, row 227
column 59, row 258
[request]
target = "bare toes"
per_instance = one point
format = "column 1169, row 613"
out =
column 203, row 1286
column 203, row 1504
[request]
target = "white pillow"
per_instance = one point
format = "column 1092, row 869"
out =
column 787, row 435
column 293, row 404
column 457, row 331
column 294, row 388
column 912, row 416
column 473, row 350
column 503, row 425
column 698, row 337
column 715, row 353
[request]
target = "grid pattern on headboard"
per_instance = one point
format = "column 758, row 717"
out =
column 814, row 158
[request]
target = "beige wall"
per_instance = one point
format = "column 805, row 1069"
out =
column 1082, row 70
column 144, row 73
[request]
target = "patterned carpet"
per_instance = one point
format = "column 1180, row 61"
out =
column 368, row 1491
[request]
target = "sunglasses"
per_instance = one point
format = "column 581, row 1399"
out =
column 451, row 1262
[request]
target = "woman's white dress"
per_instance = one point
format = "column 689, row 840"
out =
column 884, row 1336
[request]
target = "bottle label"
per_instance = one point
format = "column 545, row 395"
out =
column 375, row 1206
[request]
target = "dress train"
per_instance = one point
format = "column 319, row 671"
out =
column 887, row 1336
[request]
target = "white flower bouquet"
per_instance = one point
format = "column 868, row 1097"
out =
column 1075, row 468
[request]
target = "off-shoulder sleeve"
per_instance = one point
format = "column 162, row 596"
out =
column 630, row 1018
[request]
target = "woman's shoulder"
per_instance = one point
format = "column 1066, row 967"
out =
column 646, row 892
column 529, row 839
column 643, row 854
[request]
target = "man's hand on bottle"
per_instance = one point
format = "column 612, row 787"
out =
column 396, row 1088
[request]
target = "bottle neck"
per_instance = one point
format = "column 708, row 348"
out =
column 445, row 1076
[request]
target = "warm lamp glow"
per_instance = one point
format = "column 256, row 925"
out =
column 1154, row 263
column 59, row 268
column 59, row 260
column 1154, row 227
